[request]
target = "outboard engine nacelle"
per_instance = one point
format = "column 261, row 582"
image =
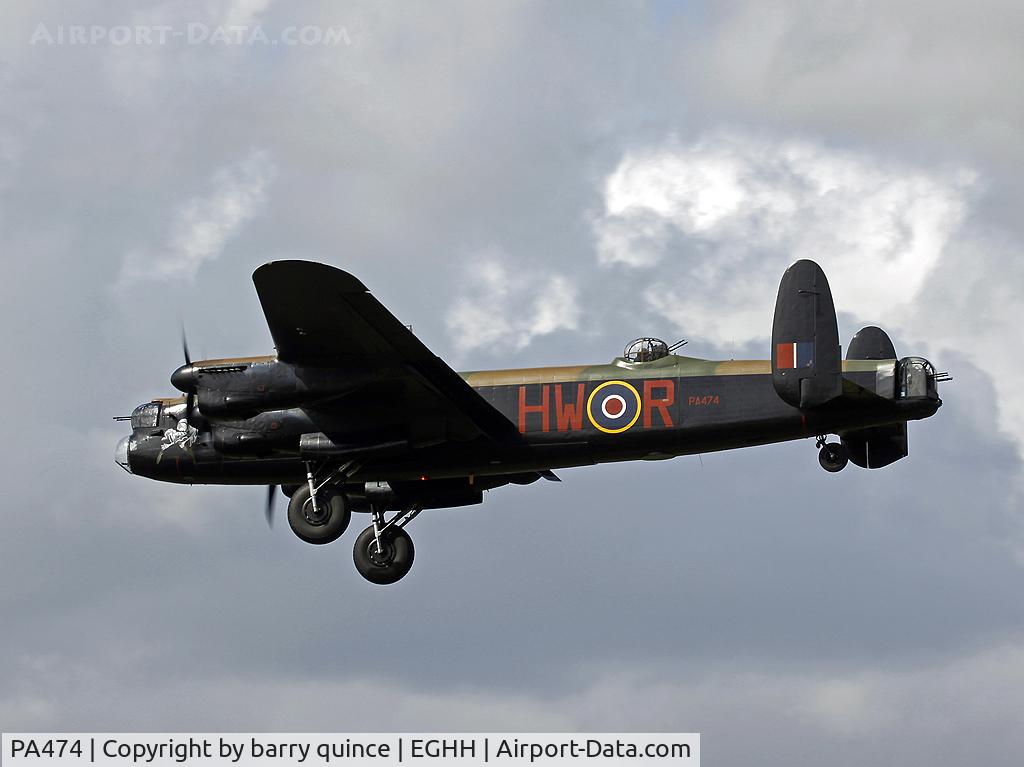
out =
column 241, row 388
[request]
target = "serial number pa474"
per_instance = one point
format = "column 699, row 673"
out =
column 46, row 749
column 707, row 399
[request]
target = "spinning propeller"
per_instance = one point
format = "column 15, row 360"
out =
column 184, row 379
column 190, row 390
column 268, row 511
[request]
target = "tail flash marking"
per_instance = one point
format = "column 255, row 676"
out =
column 799, row 354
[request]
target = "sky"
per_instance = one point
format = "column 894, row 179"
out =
column 525, row 184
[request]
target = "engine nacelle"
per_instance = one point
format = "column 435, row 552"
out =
column 219, row 403
column 239, row 388
column 271, row 431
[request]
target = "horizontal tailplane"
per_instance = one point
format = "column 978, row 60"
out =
column 876, row 447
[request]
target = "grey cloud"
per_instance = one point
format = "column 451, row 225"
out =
column 943, row 74
column 441, row 132
column 202, row 225
column 743, row 207
column 722, row 216
column 500, row 309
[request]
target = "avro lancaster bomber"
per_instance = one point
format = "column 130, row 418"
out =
column 354, row 414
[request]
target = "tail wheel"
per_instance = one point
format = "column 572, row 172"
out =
column 322, row 524
column 387, row 563
column 833, row 457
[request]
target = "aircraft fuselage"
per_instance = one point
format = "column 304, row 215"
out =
column 569, row 416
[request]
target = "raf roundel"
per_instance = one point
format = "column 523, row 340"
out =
column 613, row 407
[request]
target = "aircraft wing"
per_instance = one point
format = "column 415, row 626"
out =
column 320, row 315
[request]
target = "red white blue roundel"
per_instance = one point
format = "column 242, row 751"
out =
column 613, row 407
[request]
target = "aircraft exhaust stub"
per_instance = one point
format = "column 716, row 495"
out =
column 353, row 405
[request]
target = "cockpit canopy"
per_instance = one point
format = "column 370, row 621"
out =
column 645, row 350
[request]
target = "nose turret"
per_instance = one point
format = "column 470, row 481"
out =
column 121, row 454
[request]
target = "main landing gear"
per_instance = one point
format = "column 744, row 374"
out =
column 319, row 512
column 383, row 552
column 832, row 456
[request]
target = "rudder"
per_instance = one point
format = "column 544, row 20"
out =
column 806, row 363
column 881, row 445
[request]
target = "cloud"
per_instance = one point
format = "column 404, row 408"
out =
column 721, row 217
column 15, row 118
column 203, row 225
column 971, row 306
column 933, row 712
column 498, row 308
column 244, row 13
column 738, row 209
column 148, row 76
column 851, row 624
column 868, row 69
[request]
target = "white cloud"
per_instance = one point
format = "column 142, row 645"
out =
column 501, row 308
column 972, row 306
column 721, row 218
column 202, row 226
column 739, row 209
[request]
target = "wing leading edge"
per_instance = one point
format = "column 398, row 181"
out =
column 320, row 315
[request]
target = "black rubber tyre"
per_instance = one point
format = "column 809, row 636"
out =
column 395, row 562
column 333, row 520
column 833, row 456
column 289, row 490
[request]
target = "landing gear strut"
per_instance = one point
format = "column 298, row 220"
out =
column 832, row 456
column 318, row 513
column 383, row 552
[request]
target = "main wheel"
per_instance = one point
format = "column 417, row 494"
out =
column 833, row 456
column 323, row 525
column 388, row 565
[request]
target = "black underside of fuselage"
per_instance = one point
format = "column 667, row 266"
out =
column 562, row 424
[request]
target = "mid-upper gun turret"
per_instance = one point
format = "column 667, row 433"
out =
column 648, row 349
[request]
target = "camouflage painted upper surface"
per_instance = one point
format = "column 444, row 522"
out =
column 671, row 366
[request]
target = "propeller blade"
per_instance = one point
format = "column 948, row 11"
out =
column 269, row 510
column 184, row 346
column 190, row 403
